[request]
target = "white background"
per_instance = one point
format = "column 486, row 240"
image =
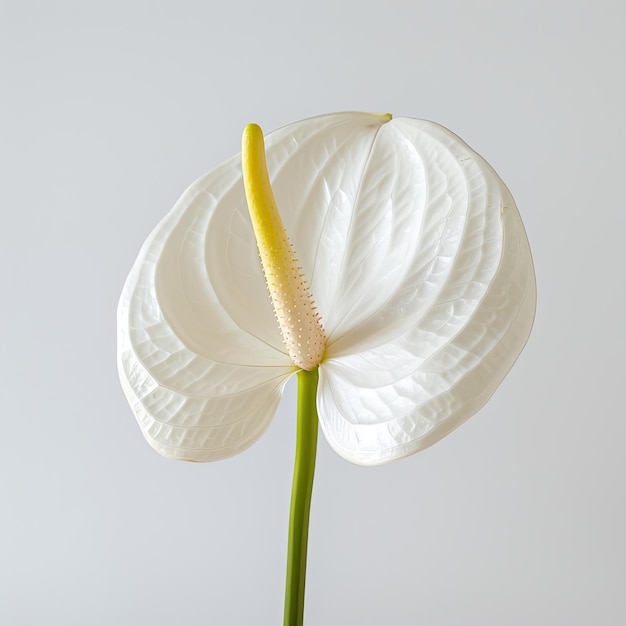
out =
column 108, row 111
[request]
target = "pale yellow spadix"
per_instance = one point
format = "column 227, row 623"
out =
column 300, row 325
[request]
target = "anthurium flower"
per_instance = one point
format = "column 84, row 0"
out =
column 407, row 243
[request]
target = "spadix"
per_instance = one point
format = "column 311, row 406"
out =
column 294, row 308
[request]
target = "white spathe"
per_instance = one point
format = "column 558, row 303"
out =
column 419, row 266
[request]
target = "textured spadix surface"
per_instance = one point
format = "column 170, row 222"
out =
column 419, row 266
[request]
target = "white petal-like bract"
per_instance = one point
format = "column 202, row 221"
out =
column 419, row 266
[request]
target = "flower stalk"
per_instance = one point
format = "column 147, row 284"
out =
column 303, row 472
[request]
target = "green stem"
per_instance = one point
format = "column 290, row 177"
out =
column 304, row 469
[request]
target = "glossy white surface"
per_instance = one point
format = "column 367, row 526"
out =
column 419, row 266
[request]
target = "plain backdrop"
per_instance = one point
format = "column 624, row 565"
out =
column 108, row 111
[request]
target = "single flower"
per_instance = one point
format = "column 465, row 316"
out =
column 410, row 247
